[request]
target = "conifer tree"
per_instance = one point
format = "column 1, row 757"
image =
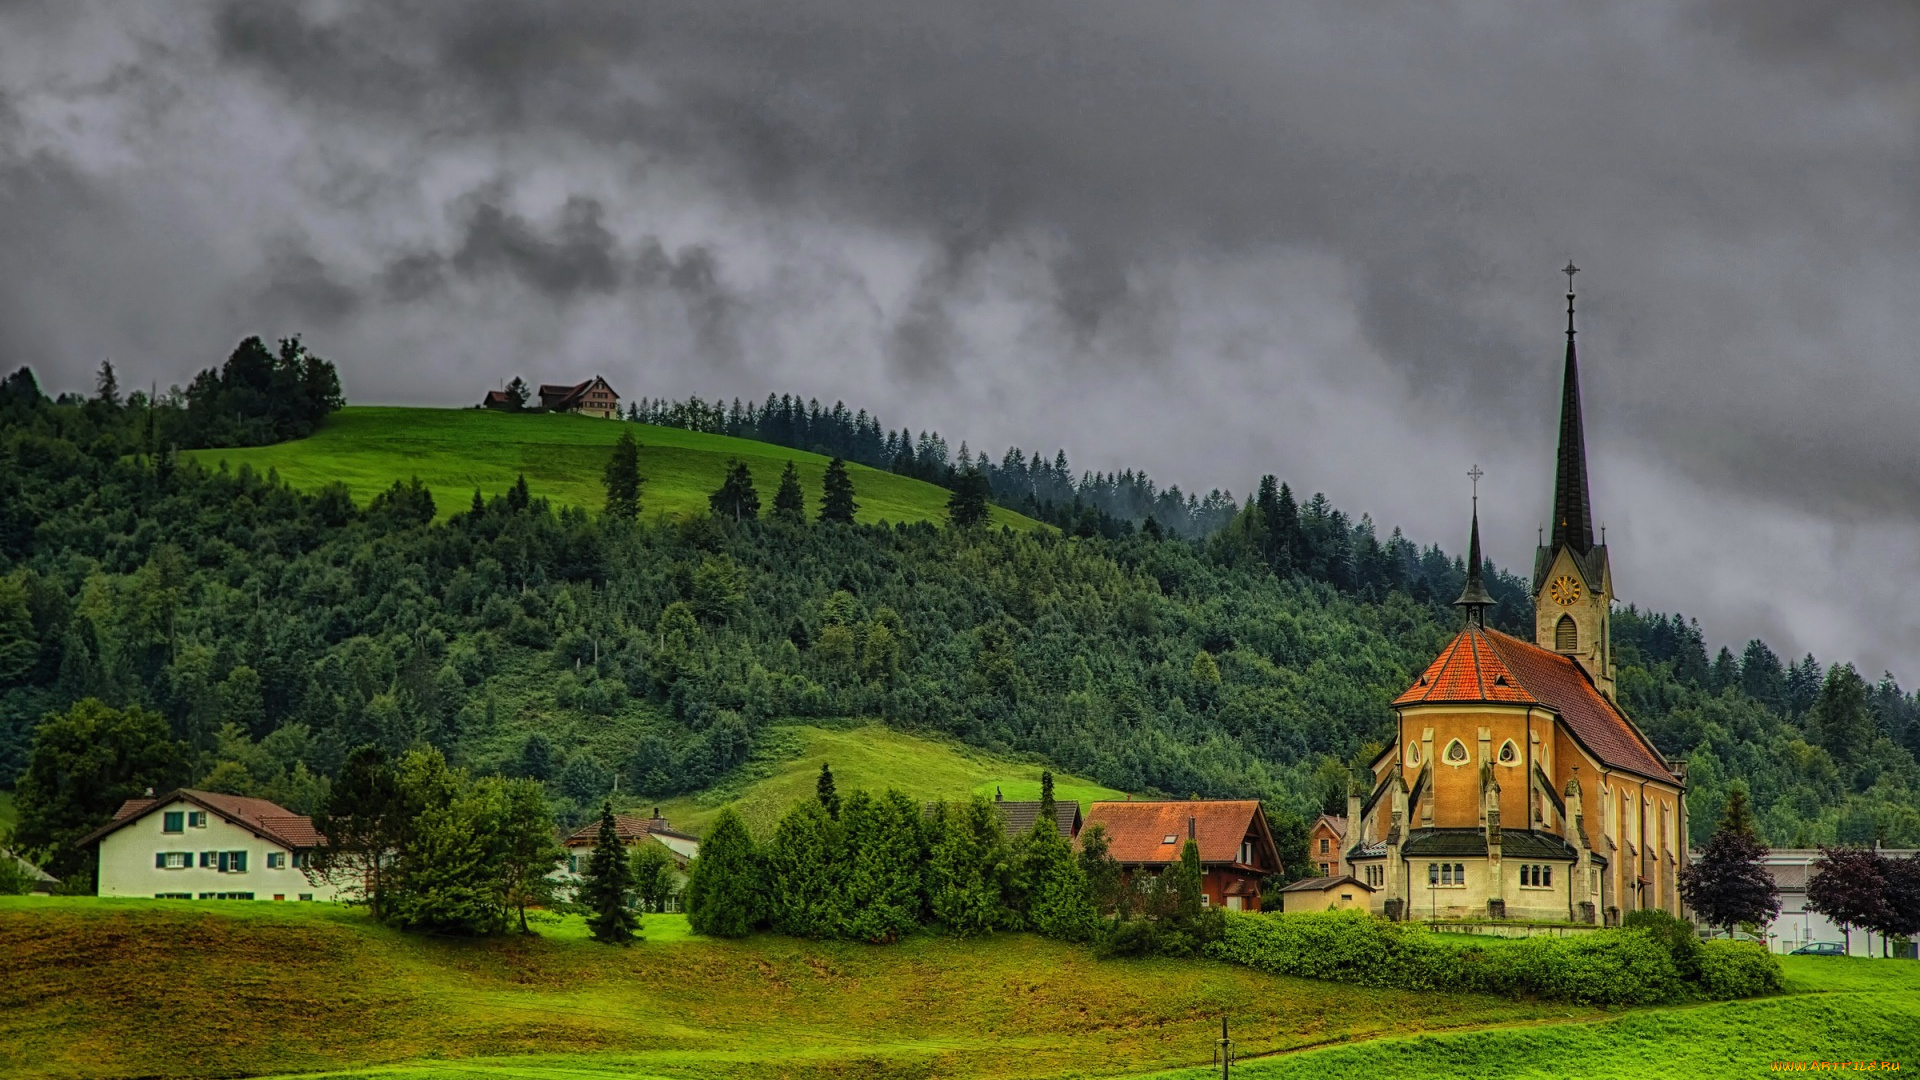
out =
column 517, row 497
column 527, row 850
column 884, row 860
column 1048, row 808
column 622, row 479
column 836, row 499
column 1059, row 900
column 806, row 867
column 1729, row 883
column 479, row 505
column 517, row 393
column 789, row 503
column 726, row 893
column 967, row 868
column 967, row 506
column 1100, row 869
column 606, row 889
column 823, row 790
column 736, row 498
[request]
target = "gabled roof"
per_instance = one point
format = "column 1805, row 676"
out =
column 264, row 818
column 571, row 395
column 1486, row 666
column 1336, row 822
column 1323, row 884
column 1020, row 816
column 630, row 828
column 1137, row 831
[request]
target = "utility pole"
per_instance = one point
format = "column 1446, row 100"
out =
column 1223, row 1051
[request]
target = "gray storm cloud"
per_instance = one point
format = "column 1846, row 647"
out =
column 1210, row 240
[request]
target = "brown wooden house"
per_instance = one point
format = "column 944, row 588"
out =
column 591, row 398
column 1326, row 845
column 1236, row 844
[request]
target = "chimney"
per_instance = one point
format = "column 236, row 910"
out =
column 1189, row 827
column 149, row 793
column 656, row 813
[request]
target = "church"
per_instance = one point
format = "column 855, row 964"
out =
column 1516, row 787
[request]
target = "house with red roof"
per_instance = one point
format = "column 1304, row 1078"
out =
column 1236, row 845
column 1516, row 786
column 204, row 845
column 633, row 831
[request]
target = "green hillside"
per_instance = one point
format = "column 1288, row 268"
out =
column 873, row 758
column 454, row 451
column 110, row 989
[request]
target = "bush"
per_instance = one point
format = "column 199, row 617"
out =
column 1735, row 969
column 1674, row 934
column 1605, row 967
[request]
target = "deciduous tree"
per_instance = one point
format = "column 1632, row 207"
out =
column 85, row 762
column 1848, row 888
column 1729, row 884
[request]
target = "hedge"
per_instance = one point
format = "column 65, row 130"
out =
column 1605, row 967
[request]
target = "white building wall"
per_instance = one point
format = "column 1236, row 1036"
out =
column 127, row 857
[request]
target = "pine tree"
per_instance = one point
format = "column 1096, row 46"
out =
column 622, row 479
column 606, row 889
column 736, row 498
column 789, row 504
column 967, row 506
column 1100, row 869
column 726, row 893
column 1059, row 900
column 479, row 505
column 107, row 386
column 1048, row 809
column 823, row 790
column 885, row 854
column 517, row 497
column 517, row 393
column 967, row 867
column 1729, row 883
column 836, row 499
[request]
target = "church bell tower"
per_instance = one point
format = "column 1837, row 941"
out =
column 1572, row 579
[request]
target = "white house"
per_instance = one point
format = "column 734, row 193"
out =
column 202, row 845
column 632, row 831
column 1792, row 868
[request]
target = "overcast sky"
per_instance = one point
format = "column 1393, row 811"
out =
column 1207, row 240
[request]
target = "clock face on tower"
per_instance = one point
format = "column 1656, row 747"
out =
column 1564, row 590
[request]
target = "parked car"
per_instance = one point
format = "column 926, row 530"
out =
column 1820, row 948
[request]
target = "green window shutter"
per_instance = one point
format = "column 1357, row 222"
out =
column 239, row 862
column 159, row 860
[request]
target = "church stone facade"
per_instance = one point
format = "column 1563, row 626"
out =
column 1516, row 786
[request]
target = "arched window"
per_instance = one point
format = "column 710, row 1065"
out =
column 1509, row 753
column 1566, row 636
column 1459, row 873
column 1546, row 876
column 1433, row 874
column 1456, row 753
column 1413, row 754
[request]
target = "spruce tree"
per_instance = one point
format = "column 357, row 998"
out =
column 836, row 497
column 789, row 503
column 517, row 393
column 622, row 479
column 1048, row 808
column 736, row 498
column 967, row 868
column 967, row 506
column 517, row 497
column 823, row 790
column 1729, row 883
column 886, row 856
column 726, row 893
column 1059, row 899
column 606, row 889
column 805, row 870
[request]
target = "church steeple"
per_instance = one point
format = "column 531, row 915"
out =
column 1572, row 577
column 1475, row 597
column 1572, row 506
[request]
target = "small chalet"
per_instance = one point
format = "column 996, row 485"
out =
column 591, row 398
column 633, row 831
column 1020, row 816
column 1236, row 844
column 205, row 845
column 498, row 400
column 1327, row 894
column 1326, row 844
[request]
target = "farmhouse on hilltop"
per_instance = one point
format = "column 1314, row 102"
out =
column 1236, row 845
column 1516, row 786
column 203, row 845
column 591, row 398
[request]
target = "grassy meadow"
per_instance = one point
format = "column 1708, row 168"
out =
column 869, row 757
column 93, row 988
column 455, row 451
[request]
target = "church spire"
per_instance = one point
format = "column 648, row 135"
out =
column 1475, row 597
column 1572, row 507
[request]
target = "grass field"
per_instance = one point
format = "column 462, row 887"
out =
column 870, row 757
column 95, row 988
column 454, row 451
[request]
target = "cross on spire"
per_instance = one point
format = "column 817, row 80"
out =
column 1474, row 474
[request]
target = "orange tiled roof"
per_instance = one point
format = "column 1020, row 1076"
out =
column 626, row 826
column 1489, row 666
column 1137, row 831
column 1467, row 670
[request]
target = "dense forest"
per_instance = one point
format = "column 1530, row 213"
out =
column 275, row 631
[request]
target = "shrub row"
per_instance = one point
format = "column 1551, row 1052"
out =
column 1605, row 967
